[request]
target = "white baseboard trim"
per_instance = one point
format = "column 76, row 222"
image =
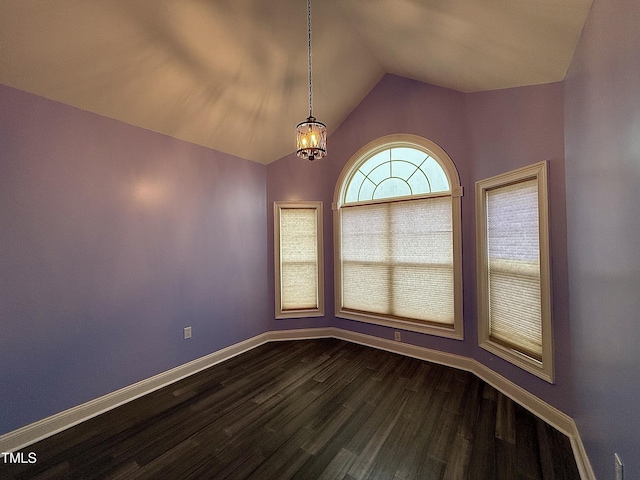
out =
column 538, row 407
column 29, row 434
column 34, row 432
column 582, row 460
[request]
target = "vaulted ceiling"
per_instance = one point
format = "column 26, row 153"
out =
column 232, row 74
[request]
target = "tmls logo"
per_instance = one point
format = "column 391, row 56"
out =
column 19, row 457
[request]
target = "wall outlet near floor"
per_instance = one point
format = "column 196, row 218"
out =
column 397, row 336
column 619, row 470
column 187, row 332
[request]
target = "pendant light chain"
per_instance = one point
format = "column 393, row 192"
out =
column 311, row 135
column 309, row 50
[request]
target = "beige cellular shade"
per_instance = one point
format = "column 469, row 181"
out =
column 513, row 254
column 397, row 259
column 298, row 258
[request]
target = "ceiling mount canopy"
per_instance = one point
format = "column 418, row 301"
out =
column 311, row 135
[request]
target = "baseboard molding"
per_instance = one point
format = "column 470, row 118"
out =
column 34, row 432
column 29, row 434
column 554, row 417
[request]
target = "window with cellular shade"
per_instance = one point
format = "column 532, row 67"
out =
column 514, row 303
column 397, row 259
column 398, row 237
column 298, row 265
column 513, row 252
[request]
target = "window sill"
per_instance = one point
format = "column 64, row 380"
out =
column 521, row 360
column 454, row 331
column 300, row 313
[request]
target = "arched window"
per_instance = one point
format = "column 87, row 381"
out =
column 398, row 245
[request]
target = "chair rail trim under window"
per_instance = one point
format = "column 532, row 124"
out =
column 455, row 192
column 317, row 311
column 543, row 367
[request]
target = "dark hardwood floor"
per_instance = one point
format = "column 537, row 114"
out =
column 313, row 409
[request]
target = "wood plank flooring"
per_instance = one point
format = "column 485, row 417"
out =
column 312, row 409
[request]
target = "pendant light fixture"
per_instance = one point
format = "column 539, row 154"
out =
column 311, row 135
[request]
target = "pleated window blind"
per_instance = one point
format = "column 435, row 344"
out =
column 514, row 286
column 397, row 259
column 513, row 253
column 298, row 265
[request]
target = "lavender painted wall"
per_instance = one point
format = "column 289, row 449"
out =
column 508, row 129
column 602, row 122
column 112, row 239
column 395, row 105
column 484, row 134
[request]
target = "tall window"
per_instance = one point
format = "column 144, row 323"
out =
column 298, row 259
column 397, row 228
column 514, row 303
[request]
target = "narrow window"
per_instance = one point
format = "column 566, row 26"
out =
column 298, row 259
column 513, row 268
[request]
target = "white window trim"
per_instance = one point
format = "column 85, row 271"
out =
column 307, row 312
column 545, row 368
column 456, row 191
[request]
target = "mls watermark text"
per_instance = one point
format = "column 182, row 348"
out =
column 19, row 457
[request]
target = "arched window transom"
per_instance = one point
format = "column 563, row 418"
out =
column 396, row 172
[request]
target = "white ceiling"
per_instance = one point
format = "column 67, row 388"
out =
column 232, row 74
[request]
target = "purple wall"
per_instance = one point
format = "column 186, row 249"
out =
column 395, row 105
column 484, row 134
column 512, row 128
column 112, row 239
column 602, row 122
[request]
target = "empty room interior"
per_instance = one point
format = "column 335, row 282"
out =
column 456, row 253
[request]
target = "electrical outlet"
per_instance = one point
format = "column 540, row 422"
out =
column 187, row 332
column 619, row 470
column 397, row 337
